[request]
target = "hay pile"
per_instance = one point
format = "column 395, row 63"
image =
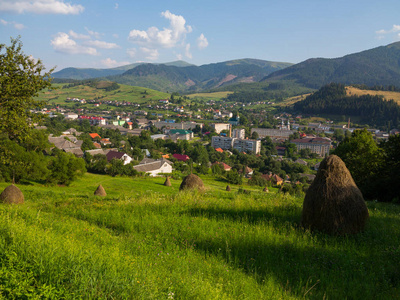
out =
column 12, row 195
column 167, row 182
column 228, row 188
column 100, row 191
column 266, row 190
column 333, row 203
column 192, row 182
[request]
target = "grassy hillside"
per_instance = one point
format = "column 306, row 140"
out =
column 350, row 90
column 378, row 66
column 209, row 96
column 147, row 241
column 124, row 93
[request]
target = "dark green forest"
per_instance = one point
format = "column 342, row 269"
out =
column 332, row 99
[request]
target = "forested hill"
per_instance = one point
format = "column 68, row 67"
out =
column 378, row 66
column 332, row 99
column 194, row 78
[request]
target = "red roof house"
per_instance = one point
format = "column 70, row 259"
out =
column 181, row 157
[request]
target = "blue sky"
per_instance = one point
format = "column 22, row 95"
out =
column 110, row 33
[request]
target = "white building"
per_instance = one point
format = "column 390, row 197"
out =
column 221, row 126
column 238, row 133
column 242, row 145
column 154, row 167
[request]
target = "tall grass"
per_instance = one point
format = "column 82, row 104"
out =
column 147, row 241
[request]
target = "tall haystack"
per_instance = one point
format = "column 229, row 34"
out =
column 12, row 195
column 228, row 188
column 333, row 203
column 167, row 182
column 100, row 191
column 192, row 182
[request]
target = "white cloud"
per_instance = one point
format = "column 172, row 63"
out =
column 187, row 51
column 131, row 52
column 64, row 44
column 40, row 7
column 78, row 36
column 12, row 23
column 381, row 34
column 115, row 35
column 179, row 57
column 116, row 6
column 150, row 54
column 101, row 44
column 92, row 33
column 111, row 63
column 202, row 42
column 165, row 38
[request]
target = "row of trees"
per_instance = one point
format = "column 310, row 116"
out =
column 374, row 167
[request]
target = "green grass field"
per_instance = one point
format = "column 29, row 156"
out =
column 124, row 93
column 147, row 241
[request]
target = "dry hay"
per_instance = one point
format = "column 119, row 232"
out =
column 100, row 191
column 192, row 182
column 12, row 195
column 167, row 182
column 333, row 203
column 266, row 190
column 228, row 188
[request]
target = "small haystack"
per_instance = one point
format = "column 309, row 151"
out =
column 333, row 202
column 167, row 182
column 12, row 195
column 192, row 182
column 265, row 190
column 228, row 188
column 100, row 191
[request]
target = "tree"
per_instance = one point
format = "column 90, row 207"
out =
column 21, row 79
column 363, row 158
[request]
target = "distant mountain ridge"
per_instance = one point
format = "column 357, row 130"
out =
column 88, row 73
column 180, row 76
column 377, row 66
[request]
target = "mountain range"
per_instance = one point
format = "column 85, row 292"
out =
column 378, row 66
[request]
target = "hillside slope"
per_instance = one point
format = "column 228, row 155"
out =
column 378, row 66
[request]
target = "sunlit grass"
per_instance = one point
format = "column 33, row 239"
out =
column 147, row 241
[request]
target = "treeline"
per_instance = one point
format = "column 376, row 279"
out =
column 332, row 99
column 385, row 88
column 107, row 86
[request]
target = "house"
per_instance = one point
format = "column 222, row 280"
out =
column 105, row 141
column 224, row 165
column 96, row 145
column 154, row 167
column 118, row 155
column 275, row 179
column 67, row 146
column 219, row 150
column 94, row 135
column 280, row 150
column 317, row 145
column 181, row 157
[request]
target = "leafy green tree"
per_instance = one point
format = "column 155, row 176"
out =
column 363, row 158
column 234, row 177
column 65, row 168
column 21, row 79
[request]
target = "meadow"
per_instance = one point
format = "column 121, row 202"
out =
column 125, row 93
column 147, row 241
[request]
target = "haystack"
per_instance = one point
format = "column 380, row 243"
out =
column 333, row 203
column 167, row 182
column 100, row 191
column 12, row 195
column 228, row 188
column 192, row 182
column 266, row 190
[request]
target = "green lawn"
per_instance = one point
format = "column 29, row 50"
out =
column 147, row 241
